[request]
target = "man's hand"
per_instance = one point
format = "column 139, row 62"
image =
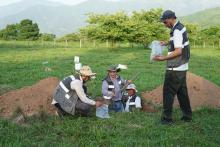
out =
column 163, row 43
column 159, row 58
column 98, row 104
column 129, row 81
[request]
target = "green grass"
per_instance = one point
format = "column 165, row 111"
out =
column 22, row 66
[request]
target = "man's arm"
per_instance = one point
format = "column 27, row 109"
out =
column 77, row 86
column 178, row 45
column 177, row 52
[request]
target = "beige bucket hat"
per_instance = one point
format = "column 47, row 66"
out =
column 86, row 71
column 131, row 86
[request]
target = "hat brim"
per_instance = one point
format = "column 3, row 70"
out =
column 116, row 70
column 111, row 70
column 132, row 89
column 89, row 75
column 162, row 19
column 92, row 74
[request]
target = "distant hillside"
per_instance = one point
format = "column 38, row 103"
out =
column 206, row 18
column 60, row 19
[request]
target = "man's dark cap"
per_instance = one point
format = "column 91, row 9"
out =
column 167, row 15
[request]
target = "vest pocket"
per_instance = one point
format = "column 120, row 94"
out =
column 174, row 62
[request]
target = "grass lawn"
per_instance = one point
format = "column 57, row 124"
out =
column 22, row 66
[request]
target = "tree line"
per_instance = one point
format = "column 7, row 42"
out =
column 140, row 27
column 24, row 30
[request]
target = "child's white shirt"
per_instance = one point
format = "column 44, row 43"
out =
column 137, row 103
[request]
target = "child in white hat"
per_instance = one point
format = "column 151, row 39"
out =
column 133, row 101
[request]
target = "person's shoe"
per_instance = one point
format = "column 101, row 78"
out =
column 166, row 121
column 186, row 119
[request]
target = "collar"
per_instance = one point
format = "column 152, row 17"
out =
column 175, row 24
column 80, row 78
column 132, row 96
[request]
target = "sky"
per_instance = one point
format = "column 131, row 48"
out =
column 68, row 2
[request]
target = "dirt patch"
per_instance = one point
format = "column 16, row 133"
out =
column 201, row 92
column 31, row 99
column 37, row 98
column 4, row 89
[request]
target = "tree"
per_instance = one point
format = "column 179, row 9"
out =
column 28, row 30
column 70, row 37
column 210, row 34
column 192, row 30
column 140, row 27
column 106, row 27
column 10, row 32
column 147, row 27
column 47, row 37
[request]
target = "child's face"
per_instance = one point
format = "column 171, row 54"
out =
column 131, row 92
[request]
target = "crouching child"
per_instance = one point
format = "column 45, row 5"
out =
column 132, row 102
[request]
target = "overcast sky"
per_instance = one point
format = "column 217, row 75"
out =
column 69, row 2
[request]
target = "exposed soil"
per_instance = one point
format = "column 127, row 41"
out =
column 201, row 93
column 38, row 97
column 31, row 100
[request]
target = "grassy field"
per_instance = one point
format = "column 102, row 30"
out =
column 22, row 66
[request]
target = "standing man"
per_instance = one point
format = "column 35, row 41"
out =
column 177, row 66
column 70, row 96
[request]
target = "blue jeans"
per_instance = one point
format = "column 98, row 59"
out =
column 117, row 106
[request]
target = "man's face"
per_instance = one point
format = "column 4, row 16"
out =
column 112, row 74
column 168, row 23
column 86, row 78
column 130, row 92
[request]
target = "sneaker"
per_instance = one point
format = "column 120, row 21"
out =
column 186, row 119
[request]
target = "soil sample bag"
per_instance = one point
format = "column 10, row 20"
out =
column 156, row 49
column 102, row 111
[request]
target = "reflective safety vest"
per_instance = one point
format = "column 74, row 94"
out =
column 111, row 86
column 184, row 58
column 65, row 96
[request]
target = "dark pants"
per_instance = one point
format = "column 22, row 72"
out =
column 82, row 109
column 175, row 84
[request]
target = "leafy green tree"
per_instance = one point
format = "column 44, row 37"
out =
column 147, row 27
column 210, row 34
column 28, row 30
column 140, row 27
column 106, row 27
column 70, row 37
column 193, row 30
column 10, row 32
column 47, row 37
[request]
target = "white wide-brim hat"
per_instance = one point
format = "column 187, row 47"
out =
column 131, row 86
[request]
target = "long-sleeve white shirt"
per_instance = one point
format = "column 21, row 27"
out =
column 137, row 103
column 77, row 86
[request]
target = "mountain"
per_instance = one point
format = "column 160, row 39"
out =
column 60, row 19
column 22, row 6
column 206, row 18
